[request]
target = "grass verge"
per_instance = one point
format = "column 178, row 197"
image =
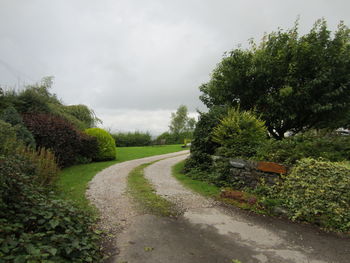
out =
column 209, row 190
column 144, row 194
column 73, row 181
column 200, row 187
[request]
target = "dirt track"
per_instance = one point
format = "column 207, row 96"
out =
column 207, row 231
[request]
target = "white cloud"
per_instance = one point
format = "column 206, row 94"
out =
column 133, row 55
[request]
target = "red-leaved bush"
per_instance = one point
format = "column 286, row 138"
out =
column 59, row 135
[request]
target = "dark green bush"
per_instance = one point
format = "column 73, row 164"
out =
column 8, row 141
column 7, row 98
column 318, row 192
column 332, row 147
column 106, row 144
column 35, row 226
column 132, row 139
column 240, row 134
column 202, row 145
column 10, row 115
column 88, row 148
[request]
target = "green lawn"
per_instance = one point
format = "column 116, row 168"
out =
column 200, row 187
column 73, row 180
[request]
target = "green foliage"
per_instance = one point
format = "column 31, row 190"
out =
column 10, row 115
column 180, row 122
column 57, row 134
column 329, row 146
column 8, row 142
column 132, row 139
column 294, row 82
column 106, row 144
column 88, row 148
column 8, row 98
column 37, row 98
column 35, row 226
column 173, row 138
column 79, row 115
column 181, row 127
column 202, row 145
column 318, row 192
column 84, row 114
column 240, row 133
column 44, row 164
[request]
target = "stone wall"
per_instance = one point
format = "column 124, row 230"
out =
column 250, row 173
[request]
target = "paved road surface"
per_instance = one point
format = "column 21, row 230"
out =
column 207, row 231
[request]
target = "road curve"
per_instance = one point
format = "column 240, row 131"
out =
column 107, row 191
column 207, row 232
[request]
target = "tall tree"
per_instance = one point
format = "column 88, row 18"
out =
column 294, row 82
column 180, row 122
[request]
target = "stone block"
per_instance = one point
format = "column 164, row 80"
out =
column 237, row 163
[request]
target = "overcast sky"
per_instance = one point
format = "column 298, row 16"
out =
column 134, row 62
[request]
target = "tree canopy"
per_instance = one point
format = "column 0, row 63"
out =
column 294, row 82
column 180, row 122
column 37, row 98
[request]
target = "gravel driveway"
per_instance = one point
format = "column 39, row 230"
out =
column 207, row 231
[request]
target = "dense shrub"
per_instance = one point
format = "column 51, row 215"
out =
column 318, row 192
column 174, row 138
column 37, row 98
column 57, row 134
column 167, row 138
column 332, row 147
column 35, row 226
column 106, row 144
column 88, row 148
column 83, row 114
column 202, row 146
column 132, row 139
column 8, row 98
column 34, row 99
column 8, row 143
column 79, row 115
column 240, row 134
column 10, row 115
column 44, row 164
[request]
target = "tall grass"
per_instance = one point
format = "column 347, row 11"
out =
column 44, row 162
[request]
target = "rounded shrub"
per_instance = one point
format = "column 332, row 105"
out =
column 317, row 191
column 240, row 133
column 106, row 144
